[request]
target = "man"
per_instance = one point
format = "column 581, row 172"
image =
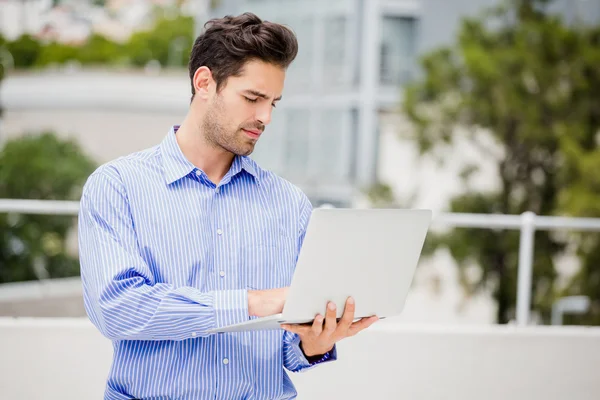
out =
column 192, row 234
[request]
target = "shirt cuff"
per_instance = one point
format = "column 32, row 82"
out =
column 231, row 307
column 304, row 363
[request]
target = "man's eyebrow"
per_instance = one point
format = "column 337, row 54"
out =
column 262, row 95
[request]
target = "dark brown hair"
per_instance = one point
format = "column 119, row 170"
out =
column 230, row 42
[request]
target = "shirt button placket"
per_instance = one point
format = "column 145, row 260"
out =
column 220, row 235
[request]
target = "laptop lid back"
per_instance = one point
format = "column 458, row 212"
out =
column 369, row 254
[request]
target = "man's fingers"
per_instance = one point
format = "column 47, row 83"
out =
column 317, row 326
column 330, row 319
column 348, row 316
column 364, row 323
column 299, row 329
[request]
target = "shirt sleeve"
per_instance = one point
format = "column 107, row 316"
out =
column 121, row 295
column 293, row 357
column 295, row 360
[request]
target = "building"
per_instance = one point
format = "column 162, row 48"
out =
column 354, row 58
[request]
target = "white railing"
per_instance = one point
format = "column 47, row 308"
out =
column 43, row 207
column 527, row 223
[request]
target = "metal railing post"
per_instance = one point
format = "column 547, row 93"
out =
column 525, row 272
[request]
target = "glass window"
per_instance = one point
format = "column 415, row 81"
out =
column 336, row 65
column 268, row 152
column 332, row 146
column 299, row 75
column 297, row 143
column 398, row 47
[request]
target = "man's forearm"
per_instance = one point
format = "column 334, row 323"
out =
column 161, row 312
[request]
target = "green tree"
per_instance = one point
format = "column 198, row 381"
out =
column 56, row 53
column 169, row 41
column 521, row 76
column 580, row 196
column 47, row 168
column 3, row 51
column 25, row 50
column 100, row 50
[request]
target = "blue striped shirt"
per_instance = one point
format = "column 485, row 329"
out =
column 166, row 255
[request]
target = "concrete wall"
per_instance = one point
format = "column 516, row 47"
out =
column 46, row 298
column 67, row 359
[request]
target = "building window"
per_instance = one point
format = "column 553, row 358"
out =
column 332, row 146
column 300, row 72
column 336, row 66
column 297, row 143
column 398, row 48
column 269, row 151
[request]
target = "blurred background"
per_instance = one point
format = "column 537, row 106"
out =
column 469, row 106
column 485, row 111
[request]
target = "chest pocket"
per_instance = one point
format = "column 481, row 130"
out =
column 268, row 258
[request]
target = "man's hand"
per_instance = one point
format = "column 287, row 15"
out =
column 318, row 339
column 262, row 303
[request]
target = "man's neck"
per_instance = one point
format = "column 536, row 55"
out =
column 214, row 161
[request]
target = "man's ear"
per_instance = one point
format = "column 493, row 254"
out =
column 203, row 82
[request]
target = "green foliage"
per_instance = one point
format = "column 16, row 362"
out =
column 532, row 83
column 39, row 167
column 25, row 51
column 381, row 195
column 99, row 50
column 168, row 40
column 3, row 51
column 580, row 196
column 56, row 53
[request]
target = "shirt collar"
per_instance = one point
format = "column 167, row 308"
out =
column 177, row 166
column 249, row 166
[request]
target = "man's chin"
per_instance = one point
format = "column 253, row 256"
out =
column 243, row 151
column 243, row 147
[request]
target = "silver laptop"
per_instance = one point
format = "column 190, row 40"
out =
column 369, row 254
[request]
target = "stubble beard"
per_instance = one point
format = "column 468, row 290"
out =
column 218, row 136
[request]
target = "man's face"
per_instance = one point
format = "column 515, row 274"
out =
column 237, row 115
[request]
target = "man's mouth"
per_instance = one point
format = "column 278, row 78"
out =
column 253, row 133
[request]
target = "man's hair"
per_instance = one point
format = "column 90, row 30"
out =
column 229, row 43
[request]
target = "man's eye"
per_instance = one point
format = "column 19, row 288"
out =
column 250, row 100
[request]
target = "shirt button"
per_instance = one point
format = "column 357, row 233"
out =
column 222, row 273
column 218, row 189
column 219, row 232
column 193, row 334
column 225, row 361
column 198, row 172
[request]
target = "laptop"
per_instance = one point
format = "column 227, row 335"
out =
column 369, row 254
